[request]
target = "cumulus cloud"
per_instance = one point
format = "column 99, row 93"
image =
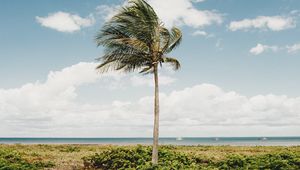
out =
column 293, row 48
column 174, row 12
column 57, row 90
column 65, row 22
column 273, row 23
column 43, row 102
column 108, row 11
column 197, row 1
column 202, row 33
column 183, row 12
column 52, row 108
column 210, row 105
column 260, row 48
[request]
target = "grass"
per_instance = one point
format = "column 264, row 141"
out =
column 70, row 156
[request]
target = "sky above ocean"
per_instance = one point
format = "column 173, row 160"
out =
column 239, row 76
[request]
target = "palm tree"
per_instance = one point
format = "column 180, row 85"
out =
column 136, row 40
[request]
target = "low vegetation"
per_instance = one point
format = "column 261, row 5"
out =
column 140, row 158
column 19, row 157
column 12, row 160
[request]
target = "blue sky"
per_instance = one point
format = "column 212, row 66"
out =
column 243, row 53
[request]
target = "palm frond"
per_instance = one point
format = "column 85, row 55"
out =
column 172, row 61
column 135, row 39
column 164, row 38
column 175, row 39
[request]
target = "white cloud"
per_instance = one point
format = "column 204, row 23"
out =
column 260, row 48
column 201, row 33
column 56, row 92
column 274, row 23
column 294, row 48
column 197, row 1
column 210, row 105
column 107, row 11
column 174, row 12
column 65, row 22
column 52, row 109
column 183, row 12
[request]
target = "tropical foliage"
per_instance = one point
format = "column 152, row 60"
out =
column 135, row 39
column 140, row 158
column 12, row 160
column 204, row 157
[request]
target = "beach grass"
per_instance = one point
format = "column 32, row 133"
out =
column 70, row 156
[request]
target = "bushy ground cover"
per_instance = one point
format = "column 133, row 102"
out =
column 65, row 157
column 12, row 160
column 140, row 158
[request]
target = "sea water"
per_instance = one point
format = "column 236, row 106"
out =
column 234, row 141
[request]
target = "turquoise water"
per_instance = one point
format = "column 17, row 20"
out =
column 235, row 141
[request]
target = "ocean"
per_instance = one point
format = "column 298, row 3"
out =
column 234, row 141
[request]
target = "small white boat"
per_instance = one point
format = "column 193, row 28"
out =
column 179, row 138
column 264, row 138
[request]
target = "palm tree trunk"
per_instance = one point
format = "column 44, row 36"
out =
column 156, row 118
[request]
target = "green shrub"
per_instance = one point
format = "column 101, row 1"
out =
column 70, row 149
column 47, row 164
column 140, row 158
column 234, row 162
column 274, row 161
column 12, row 160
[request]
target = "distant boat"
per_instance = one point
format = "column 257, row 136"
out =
column 264, row 138
column 216, row 139
column 179, row 138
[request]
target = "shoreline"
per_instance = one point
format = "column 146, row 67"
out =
column 199, row 145
column 182, row 141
